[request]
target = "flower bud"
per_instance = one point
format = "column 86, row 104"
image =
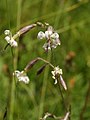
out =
column 55, row 36
column 63, row 83
column 31, row 64
column 41, row 69
column 48, row 33
column 21, row 76
column 7, row 32
column 26, row 29
column 41, row 35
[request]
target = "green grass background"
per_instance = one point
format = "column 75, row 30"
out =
column 71, row 19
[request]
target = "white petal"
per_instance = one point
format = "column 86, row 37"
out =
column 7, row 32
column 55, row 81
column 7, row 38
column 54, row 46
column 24, row 79
column 21, row 76
column 53, row 77
column 53, row 73
column 47, row 34
column 13, row 43
column 41, row 35
column 55, row 36
column 57, row 41
column 17, row 73
column 50, row 28
column 45, row 46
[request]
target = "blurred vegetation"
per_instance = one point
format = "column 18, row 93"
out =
column 71, row 18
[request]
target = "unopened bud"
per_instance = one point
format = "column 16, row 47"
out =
column 41, row 69
column 31, row 64
column 7, row 32
column 41, row 35
column 26, row 29
column 63, row 83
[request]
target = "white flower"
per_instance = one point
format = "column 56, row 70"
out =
column 55, row 35
column 41, row 35
column 56, row 71
column 52, row 38
column 10, row 39
column 46, row 46
column 48, row 34
column 21, row 76
column 55, row 40
column 57, row 74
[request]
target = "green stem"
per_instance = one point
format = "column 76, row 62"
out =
column 15, row 60
column 44, row 85
column 16, row 35
column 46, row 61
column 12, row 94
column 63, row 101
column 12, row 97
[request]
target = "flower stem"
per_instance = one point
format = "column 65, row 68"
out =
column 44, row 85
column 15, row 60
column 12, row 94
column 46, row 62
column 62, row 95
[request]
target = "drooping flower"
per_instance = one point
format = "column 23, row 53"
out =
column 57, row 74
column 10, row 40
column 52, row 38
column 21, row 76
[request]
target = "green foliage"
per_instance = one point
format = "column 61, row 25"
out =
column 71, row 18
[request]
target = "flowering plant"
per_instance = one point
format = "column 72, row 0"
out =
column 52, row 41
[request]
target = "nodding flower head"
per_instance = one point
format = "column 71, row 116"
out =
column 10, row 40
column 52, row 38
column 21, row 76
column 57, row 75
column 57, row 72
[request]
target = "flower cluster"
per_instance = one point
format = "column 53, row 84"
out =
column 10, row 39
column 52, row 38
column 21, row 76
column 57, row 74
